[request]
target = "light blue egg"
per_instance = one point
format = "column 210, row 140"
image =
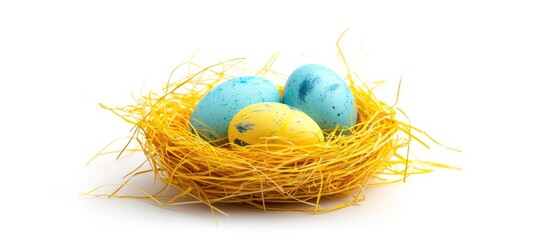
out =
column 214, row 112
column 323, row 95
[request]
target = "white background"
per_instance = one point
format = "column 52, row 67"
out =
column 474, row 77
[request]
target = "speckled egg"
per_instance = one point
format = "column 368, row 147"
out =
column 321, row 94
column 213, row 113
column 273, row 123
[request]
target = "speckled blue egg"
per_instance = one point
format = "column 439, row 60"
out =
column 213, row 113
column 321, row 94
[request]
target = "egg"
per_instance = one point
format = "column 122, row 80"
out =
column 213, row 113
column 321, row 94
column 273, row 123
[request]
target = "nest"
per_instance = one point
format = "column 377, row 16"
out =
column 267, row 176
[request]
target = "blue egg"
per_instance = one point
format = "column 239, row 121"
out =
column 214, row 112
column 321, row 94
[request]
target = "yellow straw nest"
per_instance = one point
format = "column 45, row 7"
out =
column 267, row 176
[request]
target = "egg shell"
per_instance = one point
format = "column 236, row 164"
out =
column 213, row 113
column 273, row 123
column 321, row 94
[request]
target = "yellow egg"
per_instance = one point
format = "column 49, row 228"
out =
column 271, row 122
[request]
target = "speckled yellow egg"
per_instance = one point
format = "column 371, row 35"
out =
column 271, row 122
